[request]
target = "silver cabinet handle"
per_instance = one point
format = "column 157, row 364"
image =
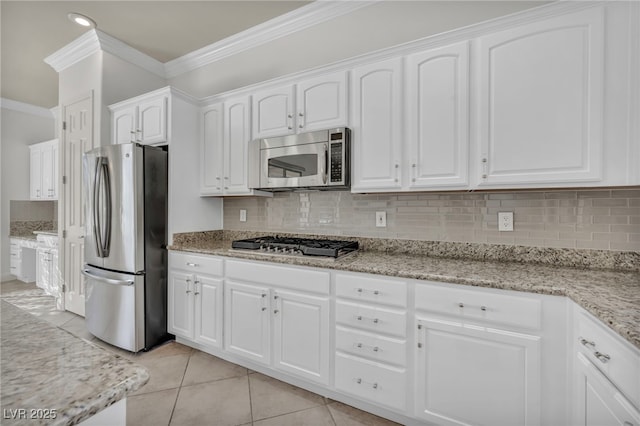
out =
column 192, row 264
column 373, row 320
column 586, row 342
column 604, row 358
column 375, row 386
column 483, row 308
column 461, row 305
column 362, row 290
column 275, row 311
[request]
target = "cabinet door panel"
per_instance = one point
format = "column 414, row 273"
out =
column 237, row 137
column 35, row 173
column 540, row 102
column 246, row 316
column 124, row 125
column 152, row 121
column 273, row 111
column 211, row 150
column 322, row 102
column 302, row 335
column 377, row 134
column 208, row 311
column 476, row 375
column 48, row 191
column 180, row 304
column 438, row 82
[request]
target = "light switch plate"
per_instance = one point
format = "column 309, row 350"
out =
column 381, row 219
column 243, row 215
column 505, row 221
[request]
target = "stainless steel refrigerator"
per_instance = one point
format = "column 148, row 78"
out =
column 125, row 189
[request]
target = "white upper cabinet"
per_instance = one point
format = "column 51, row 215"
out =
column 212, row 149
column 313, row 104
column 376, row 95
column 322, row 102
column 540, row 102
column 437, row 87
column 273, row 112
column 43, row 172
column 237, row 135
column 144, row 120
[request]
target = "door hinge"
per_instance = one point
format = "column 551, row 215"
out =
column 64, row 288
column 64, row 125
column 64, row 180
column 64, row 233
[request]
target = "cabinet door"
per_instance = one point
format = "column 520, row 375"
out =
column 322, row 102
column 540, row 102
column 55, row 167
column 597, row 402
column 152, row 121
column 376, row 93
column 124, row 125
column 469, row 374
column 301, row 336
column 273, row 111
column 35, row 173
column 180, row 303
column 237, row 134
column 246, row 322
column 42, row 267
column 54, row 273
column 208, row 311
column 438, row 105
column 47, row 172
column 211, row 150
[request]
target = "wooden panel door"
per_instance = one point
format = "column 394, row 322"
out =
column 376, row 94
column 301, row 335
column 77, row 139
column 438, row 112
column 468, row 374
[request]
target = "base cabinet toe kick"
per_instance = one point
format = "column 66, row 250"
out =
column 412, row 351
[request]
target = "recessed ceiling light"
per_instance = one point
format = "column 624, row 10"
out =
column 80, row 19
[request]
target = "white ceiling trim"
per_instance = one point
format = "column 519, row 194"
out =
column 95, row 40
column 26, row 108
column 281, row 26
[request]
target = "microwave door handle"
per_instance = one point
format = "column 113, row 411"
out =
column 325, row 173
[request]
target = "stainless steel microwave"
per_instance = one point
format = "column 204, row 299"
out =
column 313, row 160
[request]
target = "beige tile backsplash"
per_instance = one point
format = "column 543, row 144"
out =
column 604, row 219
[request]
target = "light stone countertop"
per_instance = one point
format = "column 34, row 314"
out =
column 31, row 237
column 611, row 296
column 45, row 367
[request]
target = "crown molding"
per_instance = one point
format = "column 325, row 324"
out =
column 94, row 41
column 26, row 108
column 281, row 26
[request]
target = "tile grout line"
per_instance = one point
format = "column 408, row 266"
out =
column 250, row 398
column 175, row 403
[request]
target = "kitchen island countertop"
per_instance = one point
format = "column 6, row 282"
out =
column 44, row 367
column 611, row 296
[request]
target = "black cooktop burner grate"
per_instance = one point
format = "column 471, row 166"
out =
column 304, row 246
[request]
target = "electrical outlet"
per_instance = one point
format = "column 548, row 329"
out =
column 243, row 215
column 381, row 219
column 505, row 221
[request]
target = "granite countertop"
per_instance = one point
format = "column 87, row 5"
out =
column 611, row 296
column 52, row 233
column 46, row 367
column 28, row 237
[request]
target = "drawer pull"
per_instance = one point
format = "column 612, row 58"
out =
column 483, row 308
column 461, row 305
column 375, row 386
column 359, row 381
column 373, row 320
column 586, row 342
column 192, row 264
column 362, row 290
column 264, row 309
column 604, row 358
column 373, row 348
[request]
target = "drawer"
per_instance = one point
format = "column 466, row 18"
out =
column 369, row 289
column 614, row 357
column 372, row 318
column 480, row 305
column 372, row 346
column 280, row 276
column 197, row 264
column 47, row 240
column 368, row 380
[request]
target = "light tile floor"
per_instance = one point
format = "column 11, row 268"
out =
column 190, row 387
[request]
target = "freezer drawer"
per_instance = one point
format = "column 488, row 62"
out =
column 114, row 308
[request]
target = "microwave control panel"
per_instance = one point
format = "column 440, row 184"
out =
column 336, row 162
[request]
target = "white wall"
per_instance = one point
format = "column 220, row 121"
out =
column 19, row 130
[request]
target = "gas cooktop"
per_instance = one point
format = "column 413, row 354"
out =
column 296, row 246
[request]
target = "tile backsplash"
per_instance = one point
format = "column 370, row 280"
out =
column 603, row 219
column 28, row 216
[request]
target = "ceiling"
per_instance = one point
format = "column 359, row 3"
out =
column 164, row 30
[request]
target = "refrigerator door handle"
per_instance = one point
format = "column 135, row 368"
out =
column 95, row 202
column 107, row 186
column 88, row 273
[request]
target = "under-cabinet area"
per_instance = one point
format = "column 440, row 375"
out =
column 411, row 350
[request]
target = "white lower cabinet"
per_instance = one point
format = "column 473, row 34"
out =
column 471, row 374
column 195, row 299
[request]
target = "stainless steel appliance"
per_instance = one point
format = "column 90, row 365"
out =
column 313, row 160
column 125, row 190
column 288, row 246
